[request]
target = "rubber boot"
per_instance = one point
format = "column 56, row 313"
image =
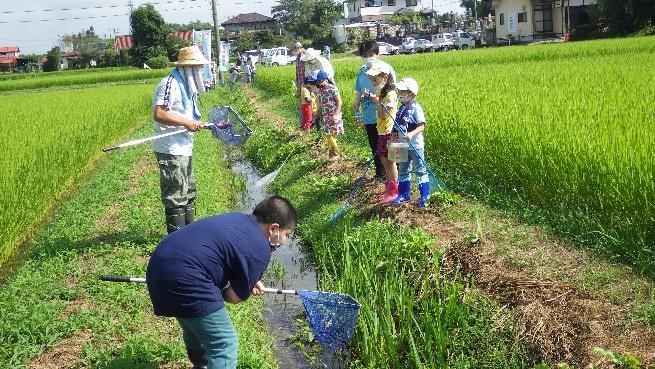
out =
column 404, row 188
column 424, row 190
column 391, row 193
column 189, row 213
column 198, row 358
column 175, row 219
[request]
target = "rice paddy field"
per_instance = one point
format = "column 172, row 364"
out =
column 564, row 134
column 63, row 79
column 49, row 139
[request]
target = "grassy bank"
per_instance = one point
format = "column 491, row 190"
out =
column 412, row 315
column 56, row 313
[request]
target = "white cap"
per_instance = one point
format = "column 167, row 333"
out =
column 310, row 54
column 378, row 67
column 407, row 84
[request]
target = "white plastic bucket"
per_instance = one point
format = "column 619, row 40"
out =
column 398, row 151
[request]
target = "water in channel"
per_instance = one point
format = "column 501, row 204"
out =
column 282, row 311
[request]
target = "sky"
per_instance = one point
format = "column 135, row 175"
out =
column 36, row 25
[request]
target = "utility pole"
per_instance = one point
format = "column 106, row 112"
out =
column 217, row 39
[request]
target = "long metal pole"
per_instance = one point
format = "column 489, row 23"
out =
column 217, row 40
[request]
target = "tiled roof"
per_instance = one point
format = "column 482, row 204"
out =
column 9, row 49
column 248, row 18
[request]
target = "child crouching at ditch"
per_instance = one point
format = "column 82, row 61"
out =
column 307, row 106
column 329, row 111
column 387, row 105
column 411, row 123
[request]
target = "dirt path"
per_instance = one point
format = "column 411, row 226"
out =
column 566, row 301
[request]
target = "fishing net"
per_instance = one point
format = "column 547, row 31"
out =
column 331, row 316
column 227, row 126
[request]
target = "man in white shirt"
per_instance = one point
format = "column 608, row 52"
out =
column 175, row 106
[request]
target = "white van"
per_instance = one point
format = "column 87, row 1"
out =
column 278, row 56
column 463, row 40
column 254, row 55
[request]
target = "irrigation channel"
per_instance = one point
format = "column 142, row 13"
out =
column 281, row 311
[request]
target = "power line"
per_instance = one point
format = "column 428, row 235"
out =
column 92, row 16
column 93, row 7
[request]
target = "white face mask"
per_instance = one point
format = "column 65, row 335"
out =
column 370, row 60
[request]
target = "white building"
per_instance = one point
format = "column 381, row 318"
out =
column 377, row 10
column 528, row 20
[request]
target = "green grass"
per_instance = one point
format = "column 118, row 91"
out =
column 109, row 225
column 50, row 140
column 560, row 134
column 27, row 81
column 411, row 316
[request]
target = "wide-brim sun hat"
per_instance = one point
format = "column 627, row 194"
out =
column 191, row 56
column 378, row 67
column 407, row 84
column 310, row 54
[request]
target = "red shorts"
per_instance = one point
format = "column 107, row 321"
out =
column 306, row 116
column 383, row 141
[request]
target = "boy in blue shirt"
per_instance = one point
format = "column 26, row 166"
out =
column 365, row 110
column 194, row 271
column 411, row 121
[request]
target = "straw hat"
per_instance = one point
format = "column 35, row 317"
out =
column 407, row 84
column 191, row 56
column 378, row 67
column 310, row 54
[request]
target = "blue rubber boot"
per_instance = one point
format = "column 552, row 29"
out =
column 404, row 188
column 424, row 190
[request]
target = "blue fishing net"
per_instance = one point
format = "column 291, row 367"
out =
column 227, row 126
column 331, row 316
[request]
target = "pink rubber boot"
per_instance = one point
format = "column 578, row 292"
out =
column 392, row 192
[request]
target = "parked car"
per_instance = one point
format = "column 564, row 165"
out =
column 423, row 45
column 443, row 41
column 277, row 56
column 463, row 40
column 387, row 48
column 407, row 46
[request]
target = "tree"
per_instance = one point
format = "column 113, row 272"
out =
column 264, row 39
column 53, row 58
column 483, row 7
column 84, row 40
column 149, row 34
column 308, row 18
column 245, row 41
column 195, row 25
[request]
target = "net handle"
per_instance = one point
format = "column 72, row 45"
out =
column 278, row 291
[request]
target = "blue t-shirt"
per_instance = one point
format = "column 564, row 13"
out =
column 190, row 266
column 408, row 118
column 362, row 82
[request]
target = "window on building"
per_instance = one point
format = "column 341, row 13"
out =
column 409, row 3
column 523, row 17
column 372, row 3
column 391, row 2
column 502, row 19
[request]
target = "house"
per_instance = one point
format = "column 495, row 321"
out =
column 528, row 20
column 378, row 10
column 249, row 22
column 68, row 59
column 9, row 58
column 125, row 41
